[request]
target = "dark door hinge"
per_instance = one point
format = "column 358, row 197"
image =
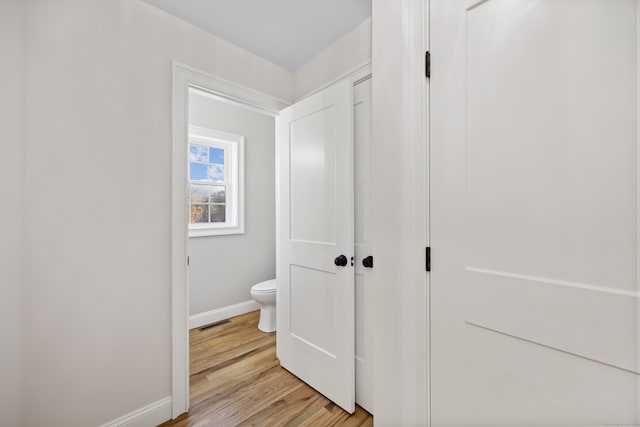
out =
column 427, row 64
column 188, row 262
column 428, row 259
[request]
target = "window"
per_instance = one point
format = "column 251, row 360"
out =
column 215, row 182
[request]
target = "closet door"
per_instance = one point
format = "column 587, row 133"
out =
column 315, row 239
column 534, row 172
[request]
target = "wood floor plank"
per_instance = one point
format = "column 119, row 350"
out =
column 224, row 376
column 225, row 382
column 319, row 403
column 206, row 357
column 238, row 406
column 282, row 412
column 328, row 415
column 236, row 380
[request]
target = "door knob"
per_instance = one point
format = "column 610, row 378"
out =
column 368, row 262
column 341, row 261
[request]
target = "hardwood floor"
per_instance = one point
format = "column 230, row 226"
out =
column 236, row 380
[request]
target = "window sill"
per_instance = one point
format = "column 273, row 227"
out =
column 215, row 231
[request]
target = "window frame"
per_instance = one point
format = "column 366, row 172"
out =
column 233, row 146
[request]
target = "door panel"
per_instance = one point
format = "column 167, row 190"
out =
column 532, row 103
column 309, row 289
column 534, row 212
column 313, row 173
column 545, row 393
column 315, row 298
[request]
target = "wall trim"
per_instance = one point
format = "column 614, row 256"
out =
column 228, row 91
column 356, row 73
column 200, row 319
column 400, row 135
column 638, row 190
column 151, row 415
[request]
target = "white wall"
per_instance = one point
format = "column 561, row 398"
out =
column 223, row 268
column 351, row 51
column 12, row 171
column 98, row 304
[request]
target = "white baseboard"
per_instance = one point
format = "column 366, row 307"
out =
column 148, row 416
column 223, row 313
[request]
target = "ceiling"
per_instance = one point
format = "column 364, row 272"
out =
column 285, row 32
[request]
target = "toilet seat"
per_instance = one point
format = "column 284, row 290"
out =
column 266, row 287
column 263, row 292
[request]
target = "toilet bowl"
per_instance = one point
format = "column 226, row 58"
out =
column 264, row 293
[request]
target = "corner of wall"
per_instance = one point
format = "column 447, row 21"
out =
column 346, row 55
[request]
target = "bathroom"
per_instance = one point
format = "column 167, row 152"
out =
column 224, row 262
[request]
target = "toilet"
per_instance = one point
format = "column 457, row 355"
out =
column 264, row 293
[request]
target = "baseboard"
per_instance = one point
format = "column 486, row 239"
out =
column 223, row 313
column 148, row 416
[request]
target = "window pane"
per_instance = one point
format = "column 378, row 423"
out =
column 198, row 153
column 197, row 172
column 218, row 194
column 216, row 173
column 218, row 213
column 216, row 155
column 199, row 213
column 199, row 193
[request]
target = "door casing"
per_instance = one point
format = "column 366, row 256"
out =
column 184, row 77
column 400, row 111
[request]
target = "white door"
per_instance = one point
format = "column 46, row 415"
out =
column 363, row 246
column 534, row 162
column 315, row 277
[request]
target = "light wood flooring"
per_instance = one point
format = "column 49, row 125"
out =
column 236, row 380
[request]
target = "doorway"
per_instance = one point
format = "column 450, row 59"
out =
column 231, row 204
column 218, row 92
column 207, row 89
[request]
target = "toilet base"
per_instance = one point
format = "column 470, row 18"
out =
column 267, row 318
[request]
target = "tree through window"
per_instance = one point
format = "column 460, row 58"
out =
column 214, row 180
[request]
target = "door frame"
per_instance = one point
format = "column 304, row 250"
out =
column 184, row 77
column 638, row 192
column 400, row 144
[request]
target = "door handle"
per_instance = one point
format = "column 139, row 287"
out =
column 368, row 262
column 341, row 261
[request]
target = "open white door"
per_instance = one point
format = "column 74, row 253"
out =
column 315, row 235
column 534, row 197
